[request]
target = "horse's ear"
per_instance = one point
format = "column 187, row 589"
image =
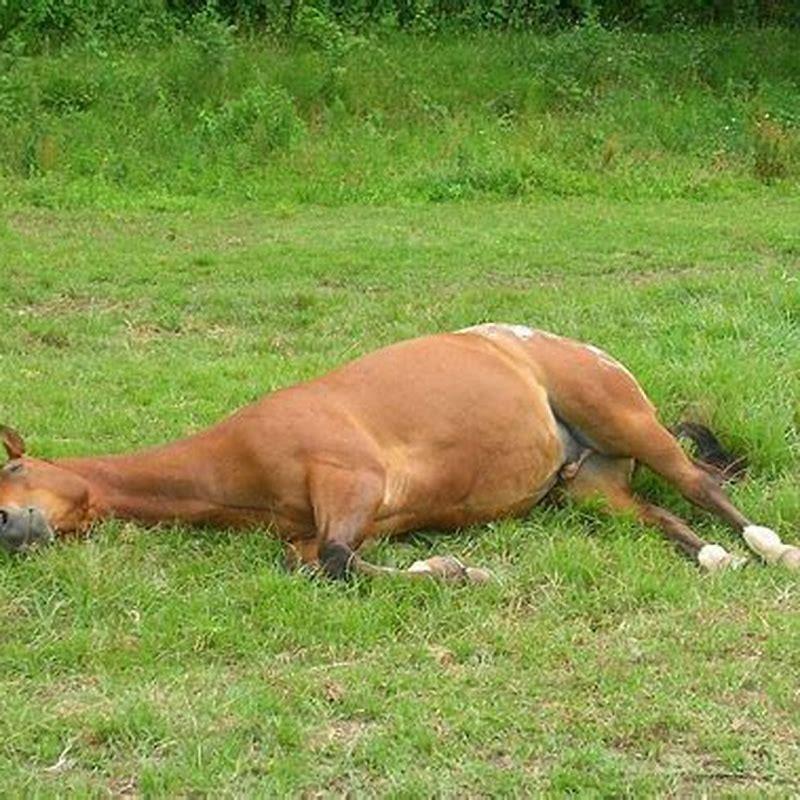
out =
column 12, row 441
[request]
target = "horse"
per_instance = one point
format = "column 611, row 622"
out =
column 444, row 431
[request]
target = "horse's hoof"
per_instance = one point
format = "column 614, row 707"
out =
column 478, row 575
column 449, row 568
column 435, row 567
column 791, row 559
column 714, row 558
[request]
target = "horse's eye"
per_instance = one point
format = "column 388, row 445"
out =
column 13, row 468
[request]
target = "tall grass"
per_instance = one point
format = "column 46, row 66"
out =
column 330, row 117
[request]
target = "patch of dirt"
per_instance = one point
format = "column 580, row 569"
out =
column 345, row 733
column 145, row 332
column 443, row 657
column 67, row 304
column 333, row 691
column 123, row 787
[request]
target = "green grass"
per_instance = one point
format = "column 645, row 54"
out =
column 169, row 662
column 183, row 228
column 336, row 119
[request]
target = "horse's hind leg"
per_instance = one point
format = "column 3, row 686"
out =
column 600, row 400
column 609, row 479
column 653, row 445
column 344, row 501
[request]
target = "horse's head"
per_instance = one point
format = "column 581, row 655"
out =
column 38, row 500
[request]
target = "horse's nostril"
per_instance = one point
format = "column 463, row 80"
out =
column 3, row 517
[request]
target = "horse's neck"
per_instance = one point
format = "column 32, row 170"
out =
column 171, row 482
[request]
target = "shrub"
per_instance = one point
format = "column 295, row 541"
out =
column 775, row 149
column 266, row 116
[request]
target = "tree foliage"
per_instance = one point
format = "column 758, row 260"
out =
column 40, row 22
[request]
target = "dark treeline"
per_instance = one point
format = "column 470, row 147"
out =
column 42, row 22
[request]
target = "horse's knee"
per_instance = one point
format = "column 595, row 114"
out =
column 336, row 560
column 300, row 554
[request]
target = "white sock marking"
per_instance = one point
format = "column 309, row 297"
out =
column 713, row 557
column 769, row 546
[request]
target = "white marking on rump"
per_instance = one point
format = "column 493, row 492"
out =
column 769, row 546
column 493, row 329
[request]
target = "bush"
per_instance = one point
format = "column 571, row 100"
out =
column 266, row 117
column 776, row 149
column 41, row 23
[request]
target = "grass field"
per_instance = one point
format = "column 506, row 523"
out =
column 170, row 662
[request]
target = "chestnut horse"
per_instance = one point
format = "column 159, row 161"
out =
column 443, row 431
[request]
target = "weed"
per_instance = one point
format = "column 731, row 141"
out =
column 268, row 118
column 776, row 149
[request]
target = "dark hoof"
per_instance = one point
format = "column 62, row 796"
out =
column 336, row 561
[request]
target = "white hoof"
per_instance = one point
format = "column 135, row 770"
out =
column 479, row 575
column 791, row 559
column 448, row 568
column 714, row 558
column 769, row 546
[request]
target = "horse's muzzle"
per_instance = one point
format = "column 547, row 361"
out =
column 21, row 528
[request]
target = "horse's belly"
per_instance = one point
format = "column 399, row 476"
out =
column 503, row 476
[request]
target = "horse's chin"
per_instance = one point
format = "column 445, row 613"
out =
column 24, row 528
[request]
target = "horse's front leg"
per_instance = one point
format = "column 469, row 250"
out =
column 345, row 501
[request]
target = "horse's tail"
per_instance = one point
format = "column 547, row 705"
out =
column 711, row 455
